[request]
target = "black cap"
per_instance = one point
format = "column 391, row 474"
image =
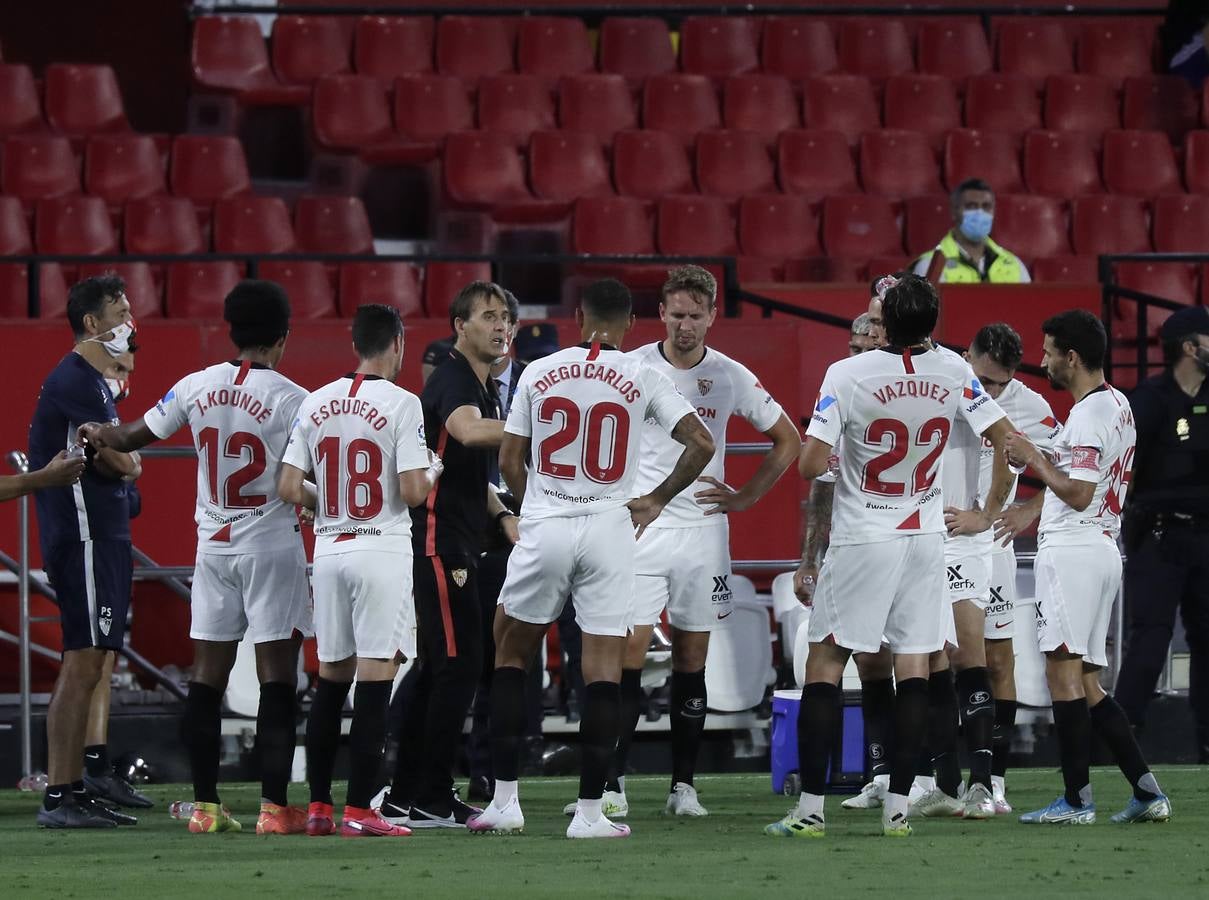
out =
column 535, row 341
column 438, row 351
column 1193, row 320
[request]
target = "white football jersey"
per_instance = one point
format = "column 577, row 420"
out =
column 584, row 410
column 240, row 415
column 895, row 413
column 1096, row 444
column 358, row 434
column 959, row 463
column 721, row 388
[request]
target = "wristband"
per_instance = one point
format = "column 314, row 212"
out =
column 503, row 514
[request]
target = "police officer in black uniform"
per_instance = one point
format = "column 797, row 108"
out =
column 1167, row 522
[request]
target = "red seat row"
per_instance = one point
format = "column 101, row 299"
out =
column 79, row 100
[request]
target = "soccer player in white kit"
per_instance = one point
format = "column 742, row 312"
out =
column 250, row 574
column 579, row 415
column 883, row 577
column 1078, row 569
column 683, row 561
column 363, row 437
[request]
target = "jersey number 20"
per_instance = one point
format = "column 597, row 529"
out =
column 607, row 414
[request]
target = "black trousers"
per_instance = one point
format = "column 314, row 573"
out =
column 1163, row 575
column 449, row 621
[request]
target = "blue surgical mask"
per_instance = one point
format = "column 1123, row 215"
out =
column 976, row 224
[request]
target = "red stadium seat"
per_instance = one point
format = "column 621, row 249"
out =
column 14, row 230
column 928, row 220
column 612, row 225
column 1072, row 269
column 306, row 284
column 684, row 105
column 731, row 164
column 252, row 224
column 20, row 108
column 52, row 289
column 305, row 48
column 875, row 47
column 898, row 164
column 82, row 100
column 843, row 103
column 228, row 54
column 473, row 46
column 443, row 280
column 388, row 47
column 196, row 290
column 1139, row 163
column 797, row 47
column 514, row 106
column 1034, row 47
column 761, row 103
column 332, row 224
column 118, row 168
column 205, row 168
column 636, row 47
column 74, row 225
column 553, row 46
column 815, row 164
column 1031, row 226
column 993, row 156
column 37, row 166
column 159, row 225
column 350, row 112
column 1181, row 224
column 696, row 225
column 649, row 164
column 1196, row 161
column 1060, row 164
column 955, row 48
column 718, row 46
column 1109, row 224
column 428, row 108
column 776, row 226
column 860, row 227
column 1088, row 103
column 566, row 165
column 1171, row 281
column 1164, row 103
column 600, row 105
column 926, row 103
column 395, row 284
column 483, row 171
column 1118, row 48
column 998, row 102
column 142, row 290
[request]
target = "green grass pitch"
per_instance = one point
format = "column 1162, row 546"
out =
column 724, row 855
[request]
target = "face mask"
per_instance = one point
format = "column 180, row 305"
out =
column 976, row 224
column 1202, row 360
column 119, row 388
column 119, row 342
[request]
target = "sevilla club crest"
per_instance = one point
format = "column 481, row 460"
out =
column 704, row 385
column 459, row 577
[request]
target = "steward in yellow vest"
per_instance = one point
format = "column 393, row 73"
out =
column 967, row 255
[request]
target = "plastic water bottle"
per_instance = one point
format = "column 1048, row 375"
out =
column 180, row 809
column 35, row 781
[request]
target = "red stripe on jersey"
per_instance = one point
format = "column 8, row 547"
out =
column 1049, row 422
column 907, row 364
column 223, row 534
column 344, row 537
column 356, row 385
column 430, row 540
column 594, row 351
column 244, row 368
column 910, row 523
column 451, row 644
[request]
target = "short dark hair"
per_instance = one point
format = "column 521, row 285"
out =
column 375, row 326
column 88, row 298
column 1000, row 342
column 514, row 305
column 1173, row 349
column 970, row 184
column 258, row 312
column 607, row 300
column 462, row 306
column 909, row 311
column 1081, row 331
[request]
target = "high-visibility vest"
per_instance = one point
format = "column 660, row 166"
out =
column 1003, row 266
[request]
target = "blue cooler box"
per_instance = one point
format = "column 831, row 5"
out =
column 847, row 767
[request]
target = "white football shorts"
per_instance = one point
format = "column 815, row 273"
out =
column 264, row 595
column 968, row 571
column 686, row 570
column 1076, row 587
column 1001, row 603
column 362, row 603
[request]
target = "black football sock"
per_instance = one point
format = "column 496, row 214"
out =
column 78, row 791
column 1112, row 725
column 275, row 737
column 1073, row 722
column 942, row 731
column 818, row 722
column 598, row 736
column 631, row 700
column 367, row 740
column 977, row 709
column 877, row 715
column 201, row 732
column 507, row 722
column 910, row 732
column 55, row 795
column 323, row 736
column 688, row 723
column 96, row 761
column 1001, row 742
